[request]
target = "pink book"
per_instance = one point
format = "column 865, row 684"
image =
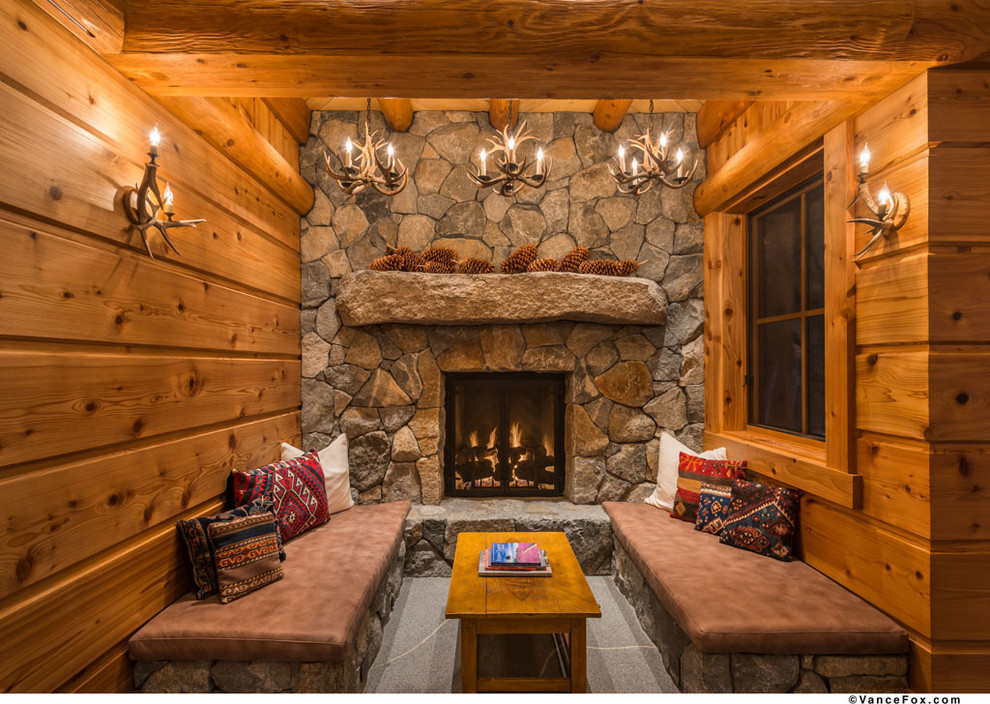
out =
column 527, row 554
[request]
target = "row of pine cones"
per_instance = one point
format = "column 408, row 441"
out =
column 442, row 260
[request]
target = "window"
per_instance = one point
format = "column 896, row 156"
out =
column 786, row 376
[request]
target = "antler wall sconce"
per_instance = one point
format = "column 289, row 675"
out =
column 142, row 204
column 656, row 167
column 890, row 210
column 367, row 169
column 512, row 174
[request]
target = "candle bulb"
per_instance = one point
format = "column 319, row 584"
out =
column 484, row 164
column 347, row 148
column 391, row 155
column 511, row 144
column 886, row 202
column 622, row 159
column 864, row 160
column 680, row 163
column 634, row 167
column 154, row 138
column 663, row 143
column 167, row 196
column 539, row 162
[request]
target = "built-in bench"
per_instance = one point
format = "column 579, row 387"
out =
column 318, row 629
column 727, row 620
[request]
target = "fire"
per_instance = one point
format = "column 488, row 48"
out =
column 547, row 444
column 515, row 435
column 492, row 438
column 473, row 439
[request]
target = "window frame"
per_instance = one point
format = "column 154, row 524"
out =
column 753, row 320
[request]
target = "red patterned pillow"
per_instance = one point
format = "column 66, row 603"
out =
column 692, row 471
column 296, row 487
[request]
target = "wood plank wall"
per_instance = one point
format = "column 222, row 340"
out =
column 916, row 543
column 131, row 386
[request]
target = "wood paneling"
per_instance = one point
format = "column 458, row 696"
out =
column 398, row 113
column 896, row 486
column 131, row 385
column 959, row 100
column 769, row 29
column 478, row 75
column 528, row 105
column 99, row 23
column 59, row 515
column 503, row 113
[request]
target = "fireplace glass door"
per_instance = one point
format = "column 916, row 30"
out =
column 505, row 435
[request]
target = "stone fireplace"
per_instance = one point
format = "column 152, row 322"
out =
column 379, row 348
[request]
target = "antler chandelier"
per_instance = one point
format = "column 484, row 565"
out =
column 656, row 165
column 366, row 168
column 512, row 174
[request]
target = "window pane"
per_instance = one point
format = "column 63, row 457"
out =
column 780, row 375
column 779, row 258
column 816, row 375
column 816, row 248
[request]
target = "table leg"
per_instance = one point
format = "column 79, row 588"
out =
column 579, row 655
column 469, row 655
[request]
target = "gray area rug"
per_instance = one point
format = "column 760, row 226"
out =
column 421, row 650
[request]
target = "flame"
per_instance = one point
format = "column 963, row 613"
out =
column 473, row 439
column 548, row 445
column 515, row 435
column 492, row 438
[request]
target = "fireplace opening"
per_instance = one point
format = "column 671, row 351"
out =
column 505, row 435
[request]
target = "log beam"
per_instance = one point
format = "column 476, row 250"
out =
column 221, row 124
column 789, row 135
column 503, row 113
column 916, row 30
column 482, row 75
column 715, row 117
column 398, row 113
column 99, row 23
column 293, row 113
column 608, row 114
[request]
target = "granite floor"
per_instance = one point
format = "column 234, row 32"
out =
column 420, row 650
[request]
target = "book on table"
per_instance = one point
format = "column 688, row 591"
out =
column 514, row 559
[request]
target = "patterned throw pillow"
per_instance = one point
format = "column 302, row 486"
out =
column 296, row 487
column 762, row 519
column 691, row 472
column 246, row 552
column 194, row 533
column 713, row 504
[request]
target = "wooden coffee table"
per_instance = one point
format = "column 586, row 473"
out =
column 557, row 604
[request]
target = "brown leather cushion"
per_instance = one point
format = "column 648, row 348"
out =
column 731, row 601
column 312, row 615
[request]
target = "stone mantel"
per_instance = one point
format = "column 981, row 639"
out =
column 376, row 297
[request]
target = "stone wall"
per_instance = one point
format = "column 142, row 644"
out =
column 379, row 384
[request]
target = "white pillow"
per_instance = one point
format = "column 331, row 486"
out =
column 669, row 456
column 336, row 470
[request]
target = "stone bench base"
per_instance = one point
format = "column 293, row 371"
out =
column 694, row 671
column 198, row 676
column 431, row 531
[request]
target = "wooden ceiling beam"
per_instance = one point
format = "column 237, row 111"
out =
column 503, row 113
column 398, row 113
column 802, row 125
column 608, row 114
column 481, row 76
column 715, row 117
column 889, row 30
column 293, row 113
column 221, row 124
column 99, row 23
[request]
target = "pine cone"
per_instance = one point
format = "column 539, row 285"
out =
column 517, row 262
column 600, row 267
column 627, row 267
column 573, row 259
column 476, row 266
column 544, row 264
column 437, row 268
column 440, row 255
column 411, row 261
column 391, row 262
column 401, row 251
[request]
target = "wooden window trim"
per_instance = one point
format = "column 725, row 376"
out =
column 823, row 469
